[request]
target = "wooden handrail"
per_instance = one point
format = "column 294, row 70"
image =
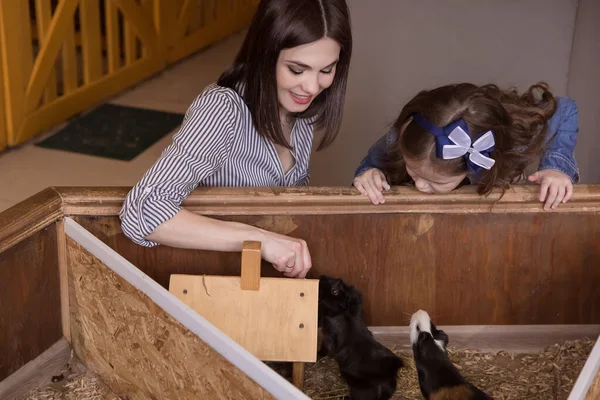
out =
column 42, row 209
column 332, row 200
column 28, row 217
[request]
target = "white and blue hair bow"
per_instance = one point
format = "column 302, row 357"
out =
column 453, row 141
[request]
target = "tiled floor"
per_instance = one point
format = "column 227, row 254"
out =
column 27, row 170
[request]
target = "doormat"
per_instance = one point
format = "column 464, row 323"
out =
column 114, row 131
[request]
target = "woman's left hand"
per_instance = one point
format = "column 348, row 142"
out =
column 556, row 187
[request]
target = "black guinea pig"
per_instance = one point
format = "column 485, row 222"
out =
column 439, row 379
column 369, row 369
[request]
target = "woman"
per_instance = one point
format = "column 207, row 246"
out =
column 253, row 127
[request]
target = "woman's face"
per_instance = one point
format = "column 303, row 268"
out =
column 304, row 71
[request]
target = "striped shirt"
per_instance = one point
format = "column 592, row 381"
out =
column 216, row 145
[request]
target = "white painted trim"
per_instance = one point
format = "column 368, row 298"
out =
column 493, row 338
column 231, row 350
column 587, row 375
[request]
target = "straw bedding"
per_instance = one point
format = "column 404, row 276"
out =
column 549, row 374
column 75, row 382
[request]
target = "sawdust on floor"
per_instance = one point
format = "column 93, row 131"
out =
column 549, row 374
column 74, row 383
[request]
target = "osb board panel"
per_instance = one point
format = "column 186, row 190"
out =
column 594, row 391
column 30, row 320
column 465, row 269
column 136, row 348
column 277, row 322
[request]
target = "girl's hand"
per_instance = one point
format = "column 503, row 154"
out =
column 287, row 254
column 371, row 183
column 556, row 185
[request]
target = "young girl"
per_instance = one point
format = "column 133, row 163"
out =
column 253, row 127
column 463, row 133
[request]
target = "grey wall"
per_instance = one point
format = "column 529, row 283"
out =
column 584, row 87
column 403, row 46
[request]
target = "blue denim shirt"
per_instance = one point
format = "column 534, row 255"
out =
column 562, row 129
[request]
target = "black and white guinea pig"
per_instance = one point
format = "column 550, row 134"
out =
column 439, row 379
column 369, row 369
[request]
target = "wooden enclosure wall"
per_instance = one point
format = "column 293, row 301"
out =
column 30, row 306
column 466, row 265
column 61, row 57
column 3, row 130
column 464, row 269
column 138, row 349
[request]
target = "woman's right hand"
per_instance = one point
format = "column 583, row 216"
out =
column 371, row 183
column 287, row 254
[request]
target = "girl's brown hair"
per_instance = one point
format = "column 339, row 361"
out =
column 519, row 123
column 281, row 24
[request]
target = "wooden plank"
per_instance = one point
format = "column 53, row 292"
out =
column 24, row 34
column 223, row 10
column 3, row 100
column 70, row 71
column 130, row 44
column 197, row 17
column 85, row 97
column 28, row 217
column 183, row 22
column 513, row 268
column 14, row 26
column 37, row 372
column 44, row 16
column 138, row 22
column 91, row 48
column 59, row 26
column 153, row 344
column 282, row 314
column 113, row 45
column 61, row 241
column 212, row 31
column 164, row 15
column 29, row 300
column 251, row 259
column 298, row 375
column 336, row 200
column 494, row 338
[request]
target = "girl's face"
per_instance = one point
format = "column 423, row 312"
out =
column 428, row 180
column 304, row 71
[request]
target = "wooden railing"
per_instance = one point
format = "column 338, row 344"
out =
column 60, row 57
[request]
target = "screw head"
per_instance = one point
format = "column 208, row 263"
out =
column 301, row 294
column 184, row 291
column 301, row 326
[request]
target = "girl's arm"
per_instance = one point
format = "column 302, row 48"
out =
column 557, row 171
column 369, row 179
column 376, row 155
column 152, row 212
column 562, row 131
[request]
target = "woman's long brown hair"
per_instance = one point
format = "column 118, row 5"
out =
column 282, row 24
column 519, row 123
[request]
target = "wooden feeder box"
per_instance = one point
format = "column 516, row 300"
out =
column 275, row 319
